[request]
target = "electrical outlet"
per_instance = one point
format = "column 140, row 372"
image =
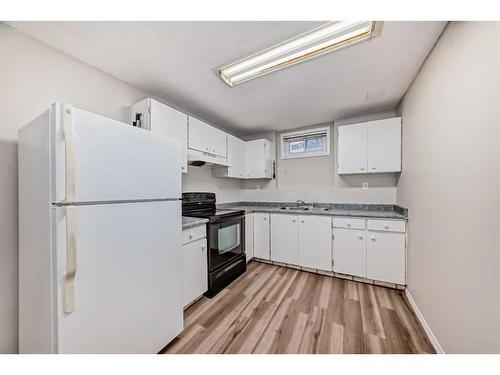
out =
column 365, row 185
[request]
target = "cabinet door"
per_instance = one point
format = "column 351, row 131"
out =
column 261, row 236
column 195, row 269
column 218, row 142
column 168, row 121
column 198, row 135
column 386, row 257
column 236, row 157
column 285, row 238
column 384, row 145
column 352, row 149
column 315, row 242
column 349, row 251
column 253, row 167
column 249, row 236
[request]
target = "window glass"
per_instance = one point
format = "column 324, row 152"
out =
column 311, row 142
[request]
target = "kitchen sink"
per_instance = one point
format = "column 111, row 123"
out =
column 306, row 208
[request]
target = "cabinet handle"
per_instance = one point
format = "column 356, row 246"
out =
column 374, row 167
column 190, row 235
column 386, row 226
column 348, row 224
column 362, row 169
column 293, row 221
column 360, row 237
column 265, row 218
column 373, row 238
column 202, row 247
column 302, row 221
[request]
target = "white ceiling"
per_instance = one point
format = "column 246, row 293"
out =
column 175, row 61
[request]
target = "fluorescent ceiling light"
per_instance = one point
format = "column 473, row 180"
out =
column 314, row 43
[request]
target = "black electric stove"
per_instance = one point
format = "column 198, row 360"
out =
column 226, row 258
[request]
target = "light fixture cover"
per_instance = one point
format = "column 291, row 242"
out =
column 326, row 38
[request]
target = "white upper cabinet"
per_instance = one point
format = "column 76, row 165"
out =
column 205, row 138
column 370, row 147
column 259, row 159
column 162, row 119
column 236, row 158
column 384, row 146
column 353, row 149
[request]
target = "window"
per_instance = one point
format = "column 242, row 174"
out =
column 305, row 143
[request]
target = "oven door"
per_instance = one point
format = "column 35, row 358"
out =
column 227, row 238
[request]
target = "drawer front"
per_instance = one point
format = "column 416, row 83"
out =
column 348, row 223
column 387, row 225
column 193, row 234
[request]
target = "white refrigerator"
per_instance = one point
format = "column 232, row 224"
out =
column 99, row 235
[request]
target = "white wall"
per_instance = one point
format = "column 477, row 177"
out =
column 316, row 179
column 200, row 179
column 32, row 77
column 451, row 185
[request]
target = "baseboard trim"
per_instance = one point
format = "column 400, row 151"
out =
column 435, row 343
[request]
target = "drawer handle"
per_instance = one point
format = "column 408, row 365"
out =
column 348, row 225
column 386, row 226
column 374, row 167
column 362, row 169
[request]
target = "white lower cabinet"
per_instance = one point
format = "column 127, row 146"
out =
column 386, row 257
column 194, row 265
column 349, row 251
column 369, row 248
column 261, row 236
column 304, row 240
column 285, row 239
column 249, row 233
column 315, row 242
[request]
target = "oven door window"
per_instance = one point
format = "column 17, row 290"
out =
column 228, row 238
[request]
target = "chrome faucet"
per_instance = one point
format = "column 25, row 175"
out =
column 301, row 203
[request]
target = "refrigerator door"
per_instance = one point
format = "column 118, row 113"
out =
column 128, row 282
column 97, row 159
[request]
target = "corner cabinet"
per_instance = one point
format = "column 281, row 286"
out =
column 259, row 159
column 247, row 160
column 370, row 147
column 162, row 119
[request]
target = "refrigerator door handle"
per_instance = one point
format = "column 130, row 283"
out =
column 69, row 140
column 69, row 278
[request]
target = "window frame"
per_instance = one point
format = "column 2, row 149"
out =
column 304, row 134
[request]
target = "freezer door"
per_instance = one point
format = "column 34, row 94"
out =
column 128, row 282
column 97, row 159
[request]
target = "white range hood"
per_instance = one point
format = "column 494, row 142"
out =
column 199, row 159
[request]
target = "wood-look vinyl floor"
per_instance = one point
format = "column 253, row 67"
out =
column 272, row 309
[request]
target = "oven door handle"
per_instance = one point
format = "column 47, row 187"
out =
column 228, row 221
